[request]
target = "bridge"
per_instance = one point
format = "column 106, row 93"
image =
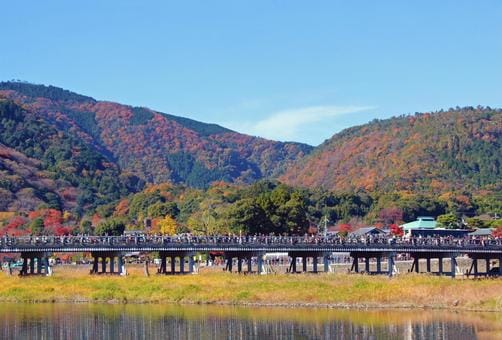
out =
column 108, row 251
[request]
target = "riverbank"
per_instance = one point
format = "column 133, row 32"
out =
column 321, row 290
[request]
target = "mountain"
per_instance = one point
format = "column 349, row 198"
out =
column 459, row 149
column 154, row 146
column 42, row 165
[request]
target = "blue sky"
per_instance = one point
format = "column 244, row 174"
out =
column 285, row 70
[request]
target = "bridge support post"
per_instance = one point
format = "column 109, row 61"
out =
column 293, row 264
column 173, row 265
column 355, row 264
column 304, row 264
column 260, row 263
column 239, row 264
column 487, row 266
column 390, row 264
column 250, row 264
column 46, row 266
column 379, row 264
column 475, row 265
column 367, row 265
column 163, row 265
column 326, row 263
column 120, row 264
column 24, row 268
column 428, row 264
column 416, row 261
column 106, row 256
column 500, row 266
column 314, row 264
column 191, row 264
column 39, row 264
column 230, row 264
column 29, row 267
column 182, row 264
column 453, row 260
column 32, row 265
column 440, row 265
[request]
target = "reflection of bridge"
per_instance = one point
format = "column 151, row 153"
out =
column 250, row 250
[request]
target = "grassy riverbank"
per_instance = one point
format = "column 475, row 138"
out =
column 406, row 290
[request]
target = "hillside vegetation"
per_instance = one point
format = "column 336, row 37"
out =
column 41, row 164
column 460, row 149
column 72, row 164
column 154, row 146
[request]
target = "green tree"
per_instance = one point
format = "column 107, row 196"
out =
column 449, row 221
column 248, row 216
column 112, row 227
column 86, row 227
column 37, row 226
column 475, row 222
column 160, row 209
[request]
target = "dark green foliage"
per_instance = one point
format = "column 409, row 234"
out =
column 85, row 120
column 50, row 92
column 37, row 226
column 186, row 169
column 139, row 204
column 160, row 209
column 267, row 208
column 53, row 201
column 86, row 227
column 474, row 222
column 112, row 227
column 140, row 116
column 203, row 129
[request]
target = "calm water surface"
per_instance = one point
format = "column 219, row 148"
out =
column 89, row 321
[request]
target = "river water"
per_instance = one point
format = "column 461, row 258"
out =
column 102, row 321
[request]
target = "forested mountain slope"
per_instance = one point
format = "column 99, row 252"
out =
column 40, row 164
column 154, row 146
column 460, row 149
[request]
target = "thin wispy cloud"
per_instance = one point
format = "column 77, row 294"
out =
column 289, row 125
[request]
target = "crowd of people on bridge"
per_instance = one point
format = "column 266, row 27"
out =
column 379, row 240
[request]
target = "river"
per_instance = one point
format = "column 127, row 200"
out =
column 105, row 321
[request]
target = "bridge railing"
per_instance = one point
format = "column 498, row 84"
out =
column 249, row 241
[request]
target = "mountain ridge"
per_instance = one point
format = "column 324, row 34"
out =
column 170, row 148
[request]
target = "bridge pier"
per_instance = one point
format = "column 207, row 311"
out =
column 305, row 256
column 241, row 256
column 391, row 259
column 367, row 263
column 415, row 267
column 173, row 255
column 41, row 259
column 107, row 257
column 489, row 271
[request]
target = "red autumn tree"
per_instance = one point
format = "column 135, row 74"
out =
column 344, row 229
column 497, row 232
column 396, row 230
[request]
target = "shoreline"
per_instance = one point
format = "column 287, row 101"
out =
column 292, row 305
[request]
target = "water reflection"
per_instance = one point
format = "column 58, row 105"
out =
column 87, row 321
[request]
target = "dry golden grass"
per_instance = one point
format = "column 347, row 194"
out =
column 211, row 287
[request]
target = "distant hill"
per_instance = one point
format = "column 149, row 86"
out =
column 154, row 146
column 460, row 149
